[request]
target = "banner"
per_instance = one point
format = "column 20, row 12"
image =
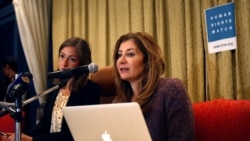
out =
column 220, row 26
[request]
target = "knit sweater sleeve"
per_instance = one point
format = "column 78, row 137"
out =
column 171, row 116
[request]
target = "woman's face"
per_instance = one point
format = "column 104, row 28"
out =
column 68, row 58
column 130, row 63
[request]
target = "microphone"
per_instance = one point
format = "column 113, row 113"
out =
column 20, row 84
column 91, row 68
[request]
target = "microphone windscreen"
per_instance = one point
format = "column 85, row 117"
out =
column 93, row 67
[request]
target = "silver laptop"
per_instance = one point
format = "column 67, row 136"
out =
column 107, row 122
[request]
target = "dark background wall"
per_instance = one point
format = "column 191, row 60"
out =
column 10, row 45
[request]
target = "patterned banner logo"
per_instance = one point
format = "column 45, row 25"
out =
column 220, row 24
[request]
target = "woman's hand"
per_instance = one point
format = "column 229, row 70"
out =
column 11, row 137
column 26, row 137
column 4, row 136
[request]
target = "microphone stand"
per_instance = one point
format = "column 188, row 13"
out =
column 18, row 117
column 63, row 83
column 18, row 107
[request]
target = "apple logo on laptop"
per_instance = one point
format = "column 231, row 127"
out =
column 106, row 136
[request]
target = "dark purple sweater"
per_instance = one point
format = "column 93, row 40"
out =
column 170, row 114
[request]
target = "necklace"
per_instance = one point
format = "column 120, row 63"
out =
column 57, row 115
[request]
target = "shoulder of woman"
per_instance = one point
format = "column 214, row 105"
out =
column 170, row 82
column 171, row 86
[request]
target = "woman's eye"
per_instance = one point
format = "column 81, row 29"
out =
column 119, row 55
column 61, row 56
column 73, row 59
column 130, row 54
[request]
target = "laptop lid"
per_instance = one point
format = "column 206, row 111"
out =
column 107, row 122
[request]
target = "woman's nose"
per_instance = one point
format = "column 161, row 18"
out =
column 65, row 62
column 122, row 59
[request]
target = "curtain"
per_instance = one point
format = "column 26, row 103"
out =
column 33, row 24
column 179, row 28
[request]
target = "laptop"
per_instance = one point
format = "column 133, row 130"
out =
column 107, row 122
